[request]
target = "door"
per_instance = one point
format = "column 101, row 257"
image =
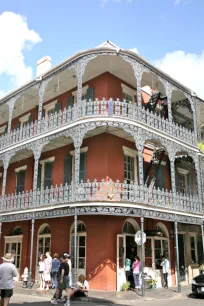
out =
column 14, row 248
column 81, row 253
column 44, row 245
column 120, row 268
column 182, row 267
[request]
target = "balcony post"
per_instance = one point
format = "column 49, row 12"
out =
column 173, row 180
column 198, row 179
column 168, row 90
column 11, row 104
column 0, row 230
column 6, row 160
column 75, row 246
column 177, row 256
column 41, row 93
column 31, row 254
column 142, row 259
column 141, row 170
column 202, row 234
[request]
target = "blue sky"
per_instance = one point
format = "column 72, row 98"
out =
column 159, row 29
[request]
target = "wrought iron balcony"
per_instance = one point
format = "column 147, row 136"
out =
column 97, row 108
column 100, row 192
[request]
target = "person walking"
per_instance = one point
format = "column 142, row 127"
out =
column 54, row 270
column 70, row 267
column 47, row 271
column 165, row 269
column 7, row 272
column 136, row 272
column 63, row 280
column 41, row 272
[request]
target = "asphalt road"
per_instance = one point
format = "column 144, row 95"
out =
column 28, row 300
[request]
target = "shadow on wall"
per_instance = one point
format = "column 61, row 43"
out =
column 105, row 263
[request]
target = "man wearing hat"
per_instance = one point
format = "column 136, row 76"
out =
column 7, row 272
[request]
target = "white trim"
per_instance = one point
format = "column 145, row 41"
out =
column 129, row 91
column 182, row 171
column 82, row 150
column 20, row 168
column 129, row 151
column 2, row 129
column 42, row 162
column 49, row 106
column 43, row 236
column 25, row 118
column 16, row 238
column 84, row 90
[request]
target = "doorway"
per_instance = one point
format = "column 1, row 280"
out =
column 13, row 245
column 182, row 267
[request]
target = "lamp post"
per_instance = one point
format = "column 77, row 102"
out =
column 177, row 256
column 142, row 230
column 75, row 246
column 31, row 254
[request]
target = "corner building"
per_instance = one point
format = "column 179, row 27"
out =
column 109, row 139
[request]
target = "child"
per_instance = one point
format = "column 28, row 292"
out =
column 41, row 272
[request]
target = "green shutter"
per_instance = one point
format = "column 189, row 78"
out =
column 31, row 119
column 68, row 170
column 70, row 102
column 20, row 181
column 48, row 175
column 160, row 180
column 90, row 94
column 82, row 171
column 58, row 106
column 39, row 177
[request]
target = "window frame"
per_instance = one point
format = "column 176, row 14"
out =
column 131, row 153
column 82, row 150
column 42, row 163
column 194, row 235
column 129, row 91
column 48, row 107
column 83, row 93
column 24, row 120
column 185, row 173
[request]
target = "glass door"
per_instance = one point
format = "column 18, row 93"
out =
column 81, row 253
column 121, row 252
column 44, row 245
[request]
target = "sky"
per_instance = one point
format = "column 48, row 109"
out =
column 167, row 33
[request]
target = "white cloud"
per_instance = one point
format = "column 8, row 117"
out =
column 177, row 2
column 187, row 68
column 15, row 38
column 134, row 50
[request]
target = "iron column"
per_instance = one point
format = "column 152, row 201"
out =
column 202, row 233
column 75, row 247
column 142, row 229
column 31, row 254
column 177, row 256
column 0, row 229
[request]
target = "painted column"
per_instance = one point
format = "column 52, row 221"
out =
column 31, row 254
column 177, row 256
column 6, row 159
column 11, row 104
column 173, row 179
column 168, row 94
column 139, row 138
column 0, row 230
column 41, row 93
column 75, row 247
column 198, row 179
column 142, row 259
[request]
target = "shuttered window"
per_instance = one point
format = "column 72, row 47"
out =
column 82, row 171
column 70, row 102
column 20, row 181
column 48, row 175
column 90, row 94
column 68, row 170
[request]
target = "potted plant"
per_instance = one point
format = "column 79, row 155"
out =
column 125, row 286
column 201, row 268
column 153, row 283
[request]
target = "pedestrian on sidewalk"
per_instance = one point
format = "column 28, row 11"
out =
column 165, row 269
column 7, row 272
column 136, row 272
column 47, row 271
column 41, row 271
column 70, row 267
column 54, row 270
column 63, row 280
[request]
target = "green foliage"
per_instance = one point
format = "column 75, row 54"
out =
column 201, row 147
column 125, row 286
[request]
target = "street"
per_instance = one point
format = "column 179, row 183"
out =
column 26, row 300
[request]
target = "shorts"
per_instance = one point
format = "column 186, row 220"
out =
column 65, row 284
column 47, row 277
column 6, row 293
column 80, row 293
column 41, row 272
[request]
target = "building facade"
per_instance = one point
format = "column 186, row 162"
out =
column 109, row 141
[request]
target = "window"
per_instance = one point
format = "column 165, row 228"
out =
column 20, row 179
column 202, row 133
column 28, row 118
column 68, row 170
column 17, row 231
column 44, row 240
column 128, row 228
column 45, row 173
column 81, row 247
column 128, row 93
column 51, row 108
column 161, row 247
column 3, row 130
column 182, row 181
column 160, row 179
column 130, row 165
column 193, row 242
column 86, row 95
column 82, row 168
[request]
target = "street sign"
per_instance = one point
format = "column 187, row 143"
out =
column 138, row 238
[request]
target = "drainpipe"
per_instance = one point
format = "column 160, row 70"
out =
column 75, row 247
column 177, row 256
column 31, row 255
column 142, row 230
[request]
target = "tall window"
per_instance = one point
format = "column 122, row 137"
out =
column 69, row 173
column 81, row 247
column 202, row 133
column 129, row 168
column 193, row 248
column 44, row 240
column 20, row 178
column 161, row 245
column 45, row 171
column 160, row 180
column 128, row 93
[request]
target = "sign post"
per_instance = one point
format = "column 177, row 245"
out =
column 140, row 239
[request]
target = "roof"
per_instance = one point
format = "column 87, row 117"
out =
column 107, row 46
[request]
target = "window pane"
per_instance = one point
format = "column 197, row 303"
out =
column 81, row 264
column 192, row 242
column 165, row 244
column 81, row 252
column 82, row 240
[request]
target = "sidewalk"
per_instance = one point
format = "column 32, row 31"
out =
column 122, row 298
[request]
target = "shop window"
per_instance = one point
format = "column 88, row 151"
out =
column 193, row 243
column 161, row 244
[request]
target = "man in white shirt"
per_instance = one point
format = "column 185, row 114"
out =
column 7, row 272
column 165, row 269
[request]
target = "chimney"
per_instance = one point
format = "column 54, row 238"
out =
column 43, row 65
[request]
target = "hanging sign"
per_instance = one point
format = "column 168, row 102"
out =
column 138, row 238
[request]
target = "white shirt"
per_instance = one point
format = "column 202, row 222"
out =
column 42, row 266
column 7, row 273
column 165, row 266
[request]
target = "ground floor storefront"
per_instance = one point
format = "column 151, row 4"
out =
column 104, row 242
